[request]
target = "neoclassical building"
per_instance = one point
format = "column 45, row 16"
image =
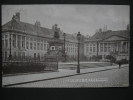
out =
column 108, row 42
column 27, row 41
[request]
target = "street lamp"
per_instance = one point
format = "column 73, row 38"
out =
column 64, row 46
column 78, row 37
column 10, row 55
column 97, row 50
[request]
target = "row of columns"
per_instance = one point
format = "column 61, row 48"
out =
column 20, row 40
column 114, row 46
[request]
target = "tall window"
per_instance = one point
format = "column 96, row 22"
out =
column 105, row 47
column 34, row 55
column 41, row 46
column 31, row 44
column 90, row 49
column 23, row 41
column 94, row 49
column 14, row 41
column 6, row 41
column 27, row 43
column 44, row 46
column 101, row 47
column 18, row 42
column 34, row 45
column 38, row 44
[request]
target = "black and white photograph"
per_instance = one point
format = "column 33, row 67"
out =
column 65, row 45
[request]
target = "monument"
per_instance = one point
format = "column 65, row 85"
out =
column 55, row 51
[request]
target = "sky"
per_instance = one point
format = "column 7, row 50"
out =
column 71, row 18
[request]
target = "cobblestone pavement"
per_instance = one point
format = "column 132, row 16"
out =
column 108, row 78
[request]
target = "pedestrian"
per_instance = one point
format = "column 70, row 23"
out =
column 119, row 64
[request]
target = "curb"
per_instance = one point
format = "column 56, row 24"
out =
column 17, row 74
column 58, row 77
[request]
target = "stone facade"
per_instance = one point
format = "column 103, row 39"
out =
column 30, row 41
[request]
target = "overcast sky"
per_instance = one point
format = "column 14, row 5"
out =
column 71, row 18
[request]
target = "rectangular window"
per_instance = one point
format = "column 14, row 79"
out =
column 38, row 44
column 34, row 45
column 93, row 49
column 18, row 42
column 23, row 41
column 14, row 41
column 105, row 47
column 101, row 47
column 44, row 46
column 6, row 41
column 90, row 49
column 31, row 45
column 41, row 46
column 27, row 44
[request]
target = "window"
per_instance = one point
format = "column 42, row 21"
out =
column 38, row 44
column 41, row 46
column 44, row 46
column 90, row 49
column 93, row 49
column 18, row 42
column 14, row 41
column 27, row 44
column 31, row 45
column 101, row 47
column 34, row 45
column 34, row 55
column 105, row 47
column 23, row 41
column 47, row 46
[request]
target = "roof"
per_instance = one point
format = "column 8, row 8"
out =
column 107, row 34
column 35, row 30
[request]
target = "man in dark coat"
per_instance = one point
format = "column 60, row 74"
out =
column 119, row 64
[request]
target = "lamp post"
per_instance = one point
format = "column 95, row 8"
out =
column 97, row 50
column 78, row 37
column 64, row 46
column 10, row 55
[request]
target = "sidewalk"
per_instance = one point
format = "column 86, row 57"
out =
column 10, row 80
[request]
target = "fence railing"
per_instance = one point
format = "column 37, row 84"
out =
column 11, row 67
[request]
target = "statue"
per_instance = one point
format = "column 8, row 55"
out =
column 56, row 31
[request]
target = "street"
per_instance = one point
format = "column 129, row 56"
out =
column 108, row 78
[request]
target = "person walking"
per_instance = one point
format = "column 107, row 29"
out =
column 119, row 64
